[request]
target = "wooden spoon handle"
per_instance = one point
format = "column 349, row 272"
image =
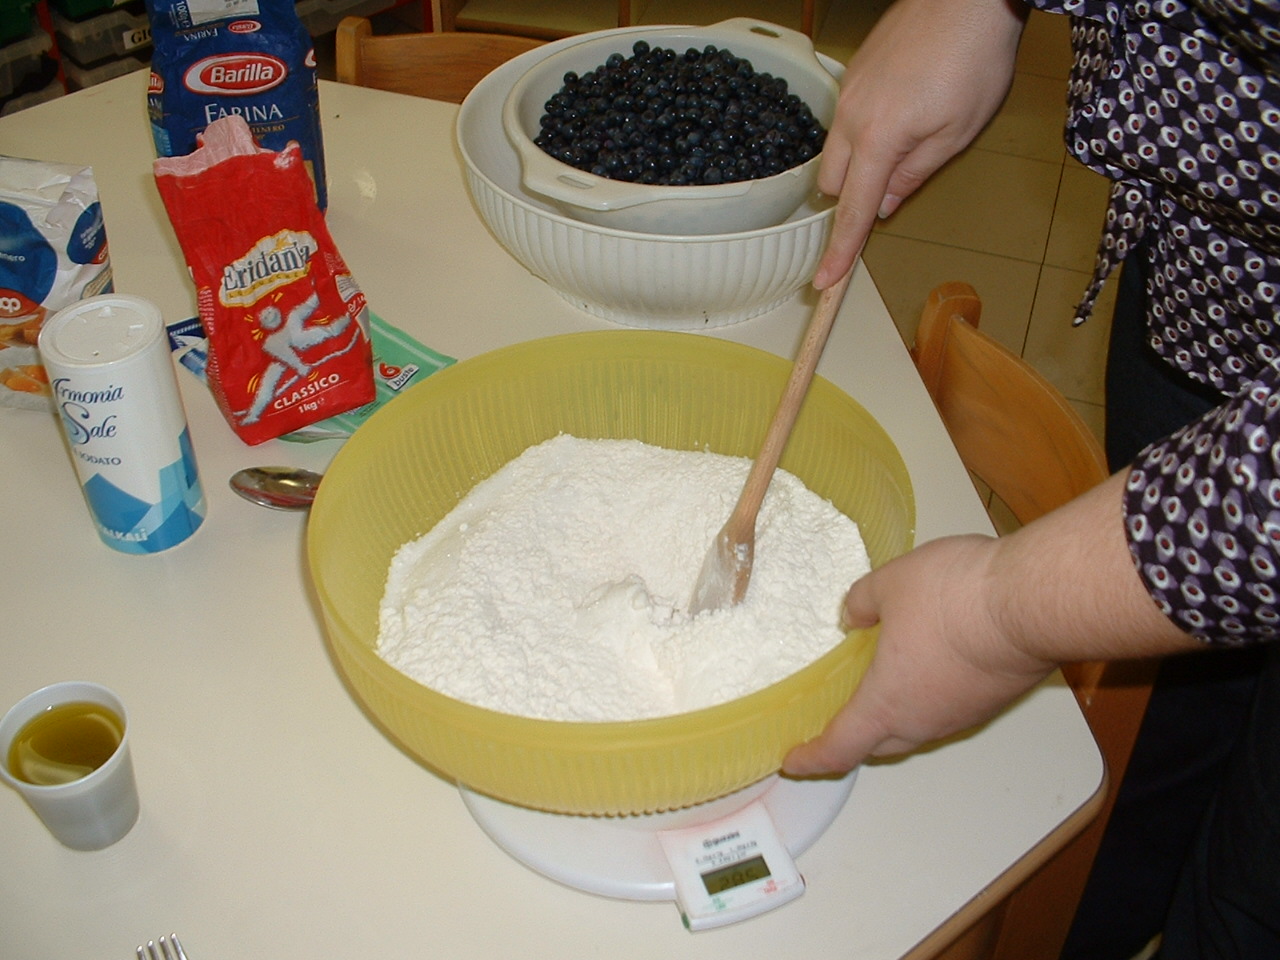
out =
column 741, row 524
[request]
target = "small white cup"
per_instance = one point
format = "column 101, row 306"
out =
column 99, row 808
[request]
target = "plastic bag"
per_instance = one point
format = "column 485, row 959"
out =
column 53, row 252
column 287, row 324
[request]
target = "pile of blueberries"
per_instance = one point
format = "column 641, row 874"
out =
column 661, row 117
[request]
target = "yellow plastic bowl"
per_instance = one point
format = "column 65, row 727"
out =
column 417, row 457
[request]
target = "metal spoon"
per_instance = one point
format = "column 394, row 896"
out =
column 726, row 570
column 280, row 488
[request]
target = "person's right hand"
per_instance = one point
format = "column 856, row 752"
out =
column 942, row 663
column 970, row 623
column 920, row 88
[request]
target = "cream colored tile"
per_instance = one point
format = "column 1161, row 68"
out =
column 1077, row 218
column 1046, row 45
column 906, row 270
column 846, row 24
column 838, row 51
column 1045, row 50
column 1002, row 517
column 985, row 201
column 1029, row 123
column 1094, row 415
column 1073, row 359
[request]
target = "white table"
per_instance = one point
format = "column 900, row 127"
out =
column 278, row 822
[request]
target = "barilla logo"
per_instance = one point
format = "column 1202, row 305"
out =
column 155, row 84
column 272, row 263
column 235, row 74
column 244, row 26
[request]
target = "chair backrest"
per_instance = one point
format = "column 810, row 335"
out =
column 1013, row 429
column 442, row 66
column 1016, row 432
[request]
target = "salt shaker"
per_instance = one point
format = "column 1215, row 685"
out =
column 116, row 394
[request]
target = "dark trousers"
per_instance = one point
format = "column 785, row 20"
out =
column 1227, row 902
column 1198, row 704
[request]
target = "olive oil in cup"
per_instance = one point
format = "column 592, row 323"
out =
column 65, row 749
column 64, row 743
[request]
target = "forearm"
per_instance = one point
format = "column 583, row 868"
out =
column 1066, row 588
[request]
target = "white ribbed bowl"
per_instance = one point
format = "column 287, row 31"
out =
column 637, row 279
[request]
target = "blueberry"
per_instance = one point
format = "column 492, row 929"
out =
column 660, row 116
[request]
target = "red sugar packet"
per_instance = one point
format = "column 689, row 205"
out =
column 288, row 327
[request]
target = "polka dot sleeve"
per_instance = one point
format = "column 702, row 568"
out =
column 1202, row 514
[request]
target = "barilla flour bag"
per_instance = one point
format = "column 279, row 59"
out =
column 249, row 58
column 53, row 252
column 288, row 326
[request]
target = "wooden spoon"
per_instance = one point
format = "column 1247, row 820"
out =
column 726, row 571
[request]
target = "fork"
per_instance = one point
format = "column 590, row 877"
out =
column 162, row 949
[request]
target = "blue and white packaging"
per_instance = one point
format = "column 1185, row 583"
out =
column 53, row 252
column 114, row 388
column 251, row 58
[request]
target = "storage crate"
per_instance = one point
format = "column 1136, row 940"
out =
column 50, row 91
column 77, row 9
column 116, row 33
column 16, row 20
column 78, row 77
column 20, row 59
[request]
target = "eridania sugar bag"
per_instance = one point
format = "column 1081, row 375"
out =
column 287, row 324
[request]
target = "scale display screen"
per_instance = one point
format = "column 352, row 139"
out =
column 735, row 875
column 730, row 869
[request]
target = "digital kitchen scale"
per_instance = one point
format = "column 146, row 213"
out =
column 721, row 861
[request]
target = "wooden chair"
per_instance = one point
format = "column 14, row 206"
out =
column 453, row 15
column 442, row 66
column 1018, row 435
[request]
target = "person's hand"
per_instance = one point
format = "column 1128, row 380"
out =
column 942, row 663
column 968, row 624
column 920, row 88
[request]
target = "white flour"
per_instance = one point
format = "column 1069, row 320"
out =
column 557, row 588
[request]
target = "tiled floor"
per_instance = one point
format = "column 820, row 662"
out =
column 1013, row 215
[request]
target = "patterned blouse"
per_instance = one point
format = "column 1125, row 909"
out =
column 1178, row 103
